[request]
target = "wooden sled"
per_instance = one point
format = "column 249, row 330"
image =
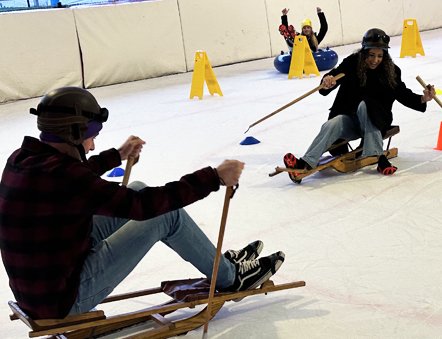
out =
column 184, row 293
column 348, row 162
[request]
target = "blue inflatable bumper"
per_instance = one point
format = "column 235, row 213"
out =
column 325, row 59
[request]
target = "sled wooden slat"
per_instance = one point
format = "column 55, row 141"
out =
column 130, row 295
column 96, row 323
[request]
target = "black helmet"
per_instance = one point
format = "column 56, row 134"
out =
column 66, row 111
column 375, row 38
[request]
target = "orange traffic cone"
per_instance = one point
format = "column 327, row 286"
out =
column 439, row 141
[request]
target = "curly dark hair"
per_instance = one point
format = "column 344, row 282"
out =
column 387, row 65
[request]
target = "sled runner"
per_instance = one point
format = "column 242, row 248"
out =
column 347, row 162
column 187, row 293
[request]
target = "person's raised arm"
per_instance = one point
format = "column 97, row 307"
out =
column 323, row 25
column 284, row 20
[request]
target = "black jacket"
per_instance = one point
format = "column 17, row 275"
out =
column 378, row 96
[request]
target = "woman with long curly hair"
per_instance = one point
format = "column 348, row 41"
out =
column 363, row 104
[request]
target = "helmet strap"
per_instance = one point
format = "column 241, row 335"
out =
column 82, row 152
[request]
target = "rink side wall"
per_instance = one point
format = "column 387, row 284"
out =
column 93, row 46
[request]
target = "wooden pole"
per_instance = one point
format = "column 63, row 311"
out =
column 424, row 85
column 130, row 162
column 227, row 197
column 337, row 77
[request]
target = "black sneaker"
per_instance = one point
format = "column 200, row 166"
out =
column 250, row 252
column 254, row 273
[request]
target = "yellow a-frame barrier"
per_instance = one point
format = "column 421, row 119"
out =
column 411, row 40
column 302, row 59
column 203, row 72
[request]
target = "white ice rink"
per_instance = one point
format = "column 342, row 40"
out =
column 368, row 247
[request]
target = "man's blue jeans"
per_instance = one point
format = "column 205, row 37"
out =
column 346, row 127
column 119, row 245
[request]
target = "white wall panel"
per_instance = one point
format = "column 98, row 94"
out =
column 39, row 52
column 359, row 16
column 126, row 42
column 428, row 13
column 229, row 31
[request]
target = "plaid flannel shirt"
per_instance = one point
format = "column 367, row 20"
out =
column 47, row 200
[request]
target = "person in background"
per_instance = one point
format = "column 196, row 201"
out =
column 313, row 38
column 68, row 237
column 363, row 105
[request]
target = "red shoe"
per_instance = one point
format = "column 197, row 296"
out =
column 290, row 160
column 385, row 167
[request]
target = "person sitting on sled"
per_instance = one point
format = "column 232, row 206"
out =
column 363, row 104
column 69, row 237
column 313, row 39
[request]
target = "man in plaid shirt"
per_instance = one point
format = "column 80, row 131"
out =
column 69, row 237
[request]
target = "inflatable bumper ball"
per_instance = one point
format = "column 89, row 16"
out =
column 325, row 59
column 282, row 62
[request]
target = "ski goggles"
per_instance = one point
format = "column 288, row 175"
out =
column 377, row 37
